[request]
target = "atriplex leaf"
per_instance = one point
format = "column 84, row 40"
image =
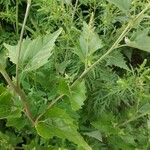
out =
column 123, row 5
column 58, row 123
column 34, row 53
column 77, row 96
column 140, row 41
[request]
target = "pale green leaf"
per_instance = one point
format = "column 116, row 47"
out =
column 140, row 41
column 34, row 53
column 58, row 123
column 77, row 96
column 94, row 134
column 123, row 5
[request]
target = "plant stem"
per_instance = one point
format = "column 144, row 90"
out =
column 49, row 106
column 20, row 93
column 20, row 41
column 114, row 46
column 133, row 119
column 74, row 10
column 17, row 5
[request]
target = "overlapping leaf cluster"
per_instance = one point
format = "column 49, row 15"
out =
column 108, row 108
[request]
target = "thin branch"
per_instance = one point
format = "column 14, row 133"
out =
column 133, row 119
column 17, row 5
column 20, row 41
column 19, row 92
column 74, row 10
column 49, row 106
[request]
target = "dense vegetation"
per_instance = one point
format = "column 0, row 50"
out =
column 75, row 74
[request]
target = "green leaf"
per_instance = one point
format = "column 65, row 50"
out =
column 7, row 108
column 18, row 123
column 94, row 134
column 2, row 59
column 77, row 96
column 117, row 59
column 89, row 43
column 34, row 53
column 141, row 40
column 63, row 87
column 106, row 124
column 144, row 108
column 58, row 123
column 123, row 5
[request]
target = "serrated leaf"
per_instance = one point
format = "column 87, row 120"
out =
column 89, row 42
column 58, row 123
column 77, row 96
column 140, row 41
column 116, row 59
column 123, row 5
column 34, row 53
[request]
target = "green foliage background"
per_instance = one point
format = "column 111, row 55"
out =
column 109, row 109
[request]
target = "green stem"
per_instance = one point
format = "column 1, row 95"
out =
column 17, row 5
column 133, row 119
column 49, row 106
column 20, row 41
column 19, row 92
column 74, row 10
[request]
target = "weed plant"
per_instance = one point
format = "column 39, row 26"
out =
column 75, row 74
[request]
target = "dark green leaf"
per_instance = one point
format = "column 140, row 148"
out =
column 7, row 108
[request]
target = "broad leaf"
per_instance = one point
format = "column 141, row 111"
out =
column 89, row 43
column 58, row 123
column 123, row 5
column 77, row 96
column 34, row 53
column 116, row 59
column 140, row 41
